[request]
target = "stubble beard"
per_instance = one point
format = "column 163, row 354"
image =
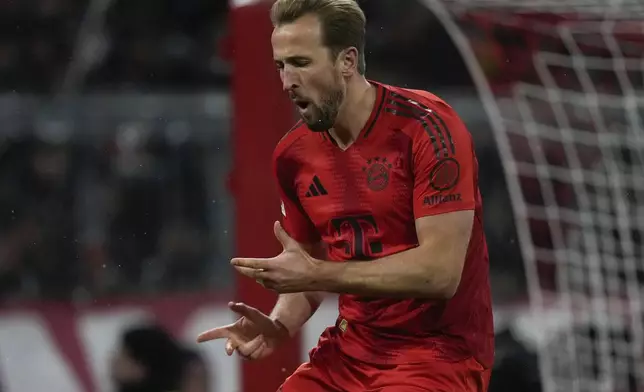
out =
column 323, row 116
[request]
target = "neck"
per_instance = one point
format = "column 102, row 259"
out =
column 355, row 112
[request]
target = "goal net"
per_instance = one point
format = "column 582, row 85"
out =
column 564, row 92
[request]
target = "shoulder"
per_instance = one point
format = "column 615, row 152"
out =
column 290, row 139
column 417, row 96
column 421, row 103
column 427, row 114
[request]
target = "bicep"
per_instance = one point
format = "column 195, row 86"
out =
column 445, row 240
column 450, row 230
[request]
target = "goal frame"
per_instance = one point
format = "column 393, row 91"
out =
column 596, row 12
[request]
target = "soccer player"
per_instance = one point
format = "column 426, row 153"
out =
column 380, row 204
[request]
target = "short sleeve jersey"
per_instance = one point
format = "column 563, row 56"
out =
column 414, row 158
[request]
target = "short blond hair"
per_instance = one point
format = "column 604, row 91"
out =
column 343, row 23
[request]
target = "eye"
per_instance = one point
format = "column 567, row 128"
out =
column 298, row 61
column 301, row 62
column 279, row 65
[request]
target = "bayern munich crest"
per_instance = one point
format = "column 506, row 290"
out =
column 377, row 173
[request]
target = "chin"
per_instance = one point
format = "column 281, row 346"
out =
column 317, row 126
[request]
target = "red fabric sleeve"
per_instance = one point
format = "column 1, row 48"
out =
column 444, row 165
column 294, row 219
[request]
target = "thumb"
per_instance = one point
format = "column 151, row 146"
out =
column 283, row 237
column 262, row 321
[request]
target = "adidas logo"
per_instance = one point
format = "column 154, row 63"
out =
column 316, row 188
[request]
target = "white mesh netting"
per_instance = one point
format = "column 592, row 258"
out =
column 567, row 109
column 603, row 9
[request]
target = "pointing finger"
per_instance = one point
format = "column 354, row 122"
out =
column 250, row 272
column 214, row 334
column 258, row 264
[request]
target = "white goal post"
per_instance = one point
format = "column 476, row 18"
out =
column 570, row 133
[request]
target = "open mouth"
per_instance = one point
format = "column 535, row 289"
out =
column 301, row 104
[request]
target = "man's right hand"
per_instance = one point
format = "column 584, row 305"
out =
column 253, row 336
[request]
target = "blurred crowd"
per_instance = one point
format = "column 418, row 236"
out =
column 125, row 214
column 99, row 214
column 142, row 45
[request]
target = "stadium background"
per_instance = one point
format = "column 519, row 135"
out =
column 135, row 141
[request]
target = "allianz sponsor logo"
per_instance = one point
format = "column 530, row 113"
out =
column 440, row 199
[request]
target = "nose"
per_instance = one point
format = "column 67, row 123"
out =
column 289, row 79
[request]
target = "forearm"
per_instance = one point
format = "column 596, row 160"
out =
column 293, row 310
column 406, row 274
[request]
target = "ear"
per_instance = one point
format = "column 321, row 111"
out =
column 349, row 61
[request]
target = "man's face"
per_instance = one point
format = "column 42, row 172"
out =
column 312, row 78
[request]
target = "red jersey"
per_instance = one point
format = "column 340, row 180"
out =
column 414, row 158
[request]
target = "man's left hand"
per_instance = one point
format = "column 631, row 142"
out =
column 292, row 271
